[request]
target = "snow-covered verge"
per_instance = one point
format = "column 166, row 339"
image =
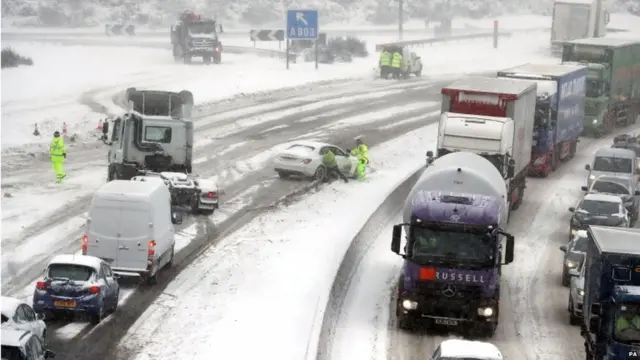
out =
column 267, row 281
column 66, row 82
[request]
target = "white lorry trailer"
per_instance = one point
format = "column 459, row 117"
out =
column 577, row 19
column 453, row 220
column 494, row 118
column 155, row 139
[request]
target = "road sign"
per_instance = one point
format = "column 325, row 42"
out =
column 267, row 35
column 302, row 24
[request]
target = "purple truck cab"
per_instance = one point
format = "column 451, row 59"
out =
column 452, row 261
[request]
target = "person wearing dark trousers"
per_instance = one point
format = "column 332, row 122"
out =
column 329, row 161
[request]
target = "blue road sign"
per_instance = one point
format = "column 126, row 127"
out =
column 302, row 24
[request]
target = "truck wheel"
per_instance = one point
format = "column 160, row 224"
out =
column 486, row 329
column 565, row 279
column 404, row 322
column 187, row 59
column 152, row 279
column 217, row 59
column 573, row 319
column 206, row 59
column 418, row 73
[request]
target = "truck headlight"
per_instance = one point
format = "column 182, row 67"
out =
column 485, row 311
column 594, row 121
column 592, row 177
column 580, row 292
column 570, row 264
column 409, row 305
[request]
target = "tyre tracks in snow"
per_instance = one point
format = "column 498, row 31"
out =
column 329, row 116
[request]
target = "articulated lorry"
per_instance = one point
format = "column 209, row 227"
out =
column 611, row 294
column 613, row 81
column 453, row 220
column 155, row 139
column 577, row 19
column 559, row 117
column 494, row 118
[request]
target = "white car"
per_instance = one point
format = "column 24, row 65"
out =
column 21, row 344
column 576, row 294
column 466, row 350
column 304, row 159
column 18, row 315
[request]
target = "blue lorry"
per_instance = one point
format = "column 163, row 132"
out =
column 559, row 118
column 612, row 294
column 453, row 220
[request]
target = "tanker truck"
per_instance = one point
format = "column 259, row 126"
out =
column 453, row 221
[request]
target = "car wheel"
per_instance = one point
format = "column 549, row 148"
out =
column 44, row 337
column 565, row 279
column 283, row 174
column 97, row 317
column 114, row 305
column 173, row 255
column 320, row 173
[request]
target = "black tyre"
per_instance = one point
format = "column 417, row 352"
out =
column 283, row 174
column 320, row 174
column 565, row 279
column 206, row 59
column 217, row 59
column 187, row 59
column 418, row 73
column 152, row 279
column 486, row 329
column 96, row 318
column 172, row 256
column 405, row 322
column 114, row 304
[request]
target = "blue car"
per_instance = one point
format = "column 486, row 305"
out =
column 77, row 284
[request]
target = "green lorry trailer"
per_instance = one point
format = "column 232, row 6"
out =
column 613, row 81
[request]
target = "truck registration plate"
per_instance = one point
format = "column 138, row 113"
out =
column 446, row 322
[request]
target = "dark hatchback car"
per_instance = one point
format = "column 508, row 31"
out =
column 573, row 255
column 622, row 186
column 598, row 209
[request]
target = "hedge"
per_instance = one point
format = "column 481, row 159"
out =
column 10, row 58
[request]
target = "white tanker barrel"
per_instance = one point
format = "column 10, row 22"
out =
column 462, row 173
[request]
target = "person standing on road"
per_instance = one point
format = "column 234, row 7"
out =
column 361, row 152
column 329, row 161
column 58, row 153
column 396, row 63
column 385, row 63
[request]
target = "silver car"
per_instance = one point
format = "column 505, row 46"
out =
column 576, row 294
column 612, row 161
column 304, row 159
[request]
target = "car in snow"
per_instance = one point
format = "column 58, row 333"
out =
column 304, row 159
column 576, row 294
column 77, row 284
column 455, row 349
column 622, row 186
column 18, row 315
column 598, row 209
column 573, row 254
column 23, row 345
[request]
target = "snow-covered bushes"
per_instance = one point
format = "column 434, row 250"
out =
column 350, row 45
column 12, row 59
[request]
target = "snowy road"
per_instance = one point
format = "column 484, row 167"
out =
column 533, row 308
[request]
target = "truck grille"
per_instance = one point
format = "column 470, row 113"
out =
column 590, row 108
column 463, row 291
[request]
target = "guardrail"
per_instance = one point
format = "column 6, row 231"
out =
column 329, row 308
column 431, row 41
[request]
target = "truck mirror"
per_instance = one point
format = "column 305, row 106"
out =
column 429, row 153
column 594, row 324
column 584, row 188
column 395, row 239
column 105, row 127
column 563, row 248
column 176, row 218
column 572, row 209
column 596, row 309
column 511, row 170
column 509, row 250
column 587, row 167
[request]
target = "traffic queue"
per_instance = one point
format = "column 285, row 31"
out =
column 493, row 133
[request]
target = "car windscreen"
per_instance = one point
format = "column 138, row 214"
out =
column 595, row 207
column 12, row 353
column 609, row 187
column 613, row 164
column 70, row 271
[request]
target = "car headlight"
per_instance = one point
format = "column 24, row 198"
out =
column 485, row 311
column 409, row 304
column 592, row 177
column 570, row 264
column 580, row 292
column 594, row 121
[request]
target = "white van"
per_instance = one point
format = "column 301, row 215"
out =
column 130, row 226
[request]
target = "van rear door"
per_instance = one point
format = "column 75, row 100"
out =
column 102, row 233
column 133, row 244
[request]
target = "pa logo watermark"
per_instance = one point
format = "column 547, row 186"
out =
column 634, row 354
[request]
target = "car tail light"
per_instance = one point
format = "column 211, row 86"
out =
column 85, row 241
column 211, row 194
column 152, row 247
column 217, row 49
column 41, row 285
column 306, row 161
column 94, row 289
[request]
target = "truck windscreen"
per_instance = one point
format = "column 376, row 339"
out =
column 570, row 21
column 202, row 28
column 451, row 245
column 627, row 324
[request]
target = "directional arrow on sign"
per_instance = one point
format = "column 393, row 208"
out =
column 266, row 35
column 300, row 18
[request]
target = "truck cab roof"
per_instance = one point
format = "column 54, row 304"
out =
column 486, row 85
column 542, row 71
column 616, row 240
column 605, row 41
